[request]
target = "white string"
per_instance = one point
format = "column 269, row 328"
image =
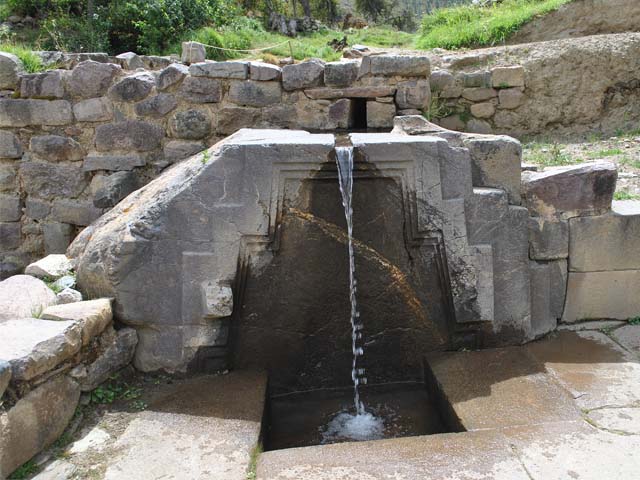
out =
column 240, row 50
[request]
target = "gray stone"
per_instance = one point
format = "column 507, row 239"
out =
column 92, row 79
column 96, row 161
column 66, row 281
column 133, row 88
column 627, row 336
column 510, row 98
column 232, row 119
column 157, row 106
column 68, row 295
column 505, row 77
column 114, row 188
column 483, row 110
column 479, row 94
column 307, row 74
column 380, row 115
column 176, row 150
column 452, row 122
column 50, row 267
column 23, row 113
column 565, row 192
column 155, row 62
column 236, row 70
column 23, row 296
column 57, row 237
column 542, row 321
column 115, row 356
column 606, row 242
column 414, row 94
column 130, row 61
column 36, row 421
column 10, row 146
column 558, row 272
column 58, row 470
column 36, row 209
column 48, row 181
column 476, row 79
column 5, row 376
column 8, row 178
column 593, row 325
column 400, row 65
column 92, row 317
column 548, row 239
column 48, row 85
column 201, row 90
column 93, row 110
column 193, row 52
column 341, row 113
column 414, row 125
column 217, row 300
column 255, row 94
column 191, row 125
column 440, row 80
column 75, row 212
column 171, row 75
column 373, row 91
column 609, row 294
column 10, row 236
column 341, row 74
column 128, row 135
column 264, row 72
column 10, row 208
column 54, row 148
column 11, row 68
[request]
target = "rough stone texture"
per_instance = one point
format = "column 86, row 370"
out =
column 606, row 242
column 10, row 208
column 629, row 337
column 117, row 355
column 566, row 192
column 54, row 148
column 255, row 94
column 36, row 421
column 93, row 110
column 214, row 432
column 68, row 295
column 10, row 146
column 350, row 92
column 157, row 106
column 48, row 85
column 23, row 296
column 201, row 90
column 558, row 272
column 75, row 212
column 475, row 79
column 191, row 125
column 380, row 115
column 128, row 135
column 483, row 110
column 440, row 80
column 10, row 69
column 92, row 79
column 112, row 162
column 261, row 71
column 114, row 188
column 510, row 98
column 92, row 316
column 10, row 235
column 413, row 94
column 609, row 294
column 341, row 74
column 479, row 94
column 7, row 177
column 543, row 319
column 193, row 52
column 171, row 76
column 341, row 112
column 176, row 150
column 5, row 376
column 235, row 70
column 57, row 237
column 133, row 88
column 23, row 113
column 47, row 181
column 548, row 239
column 130, row 61
column 303, row 75
column 52, row 266
column 232, row 119
column 402, row 65
column 593, row 325
column 505, row 77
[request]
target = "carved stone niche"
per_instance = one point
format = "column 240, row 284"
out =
column 239, row 254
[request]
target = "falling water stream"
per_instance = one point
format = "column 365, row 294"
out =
column 361, row 425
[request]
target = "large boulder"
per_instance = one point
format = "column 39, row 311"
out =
column 52, row 266
column 92, row 79
column 24, row 296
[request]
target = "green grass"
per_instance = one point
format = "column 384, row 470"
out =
column 473, row 26
column 611, row 152
column 25, row 471
column 32, row 62
column 634, row 321
column 546, row 154
column 622, row 195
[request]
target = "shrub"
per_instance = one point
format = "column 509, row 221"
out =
column 32, row 62
column 76, row 34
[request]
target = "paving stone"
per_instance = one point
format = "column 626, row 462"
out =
column 596, row 371
column 264, row 72
column 92, row 79
column 191, row 124
column 255, row 94
column 201, row 90
column 50, row 267
column 505, row 77
column 157, row 106
column 617, row 420
column 57, row 237
column 75, row 212
column 47, row 181
column 48, row 85
column 27, row 112
column 95, row 162
column 605, row 242
column 11, row 68
column 10, row 236
column 235, row 70
column 23, row 296
column 400, row 65
column 608, row 294
column 92, row 316
column 93, row 110
column 128, row 135
column 10, row 208
column 629, row 337
column 171, row 75
column 214, row 432
column 341, row 74
column 54, row 148
column 548, row 239
column 10, row 146
column 307, row 74
column 36, row 421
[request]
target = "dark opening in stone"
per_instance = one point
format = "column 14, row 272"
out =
column 358, row 120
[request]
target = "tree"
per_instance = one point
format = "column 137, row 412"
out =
column 372, row 9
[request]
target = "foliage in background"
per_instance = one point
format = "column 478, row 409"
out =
column 474, row 26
